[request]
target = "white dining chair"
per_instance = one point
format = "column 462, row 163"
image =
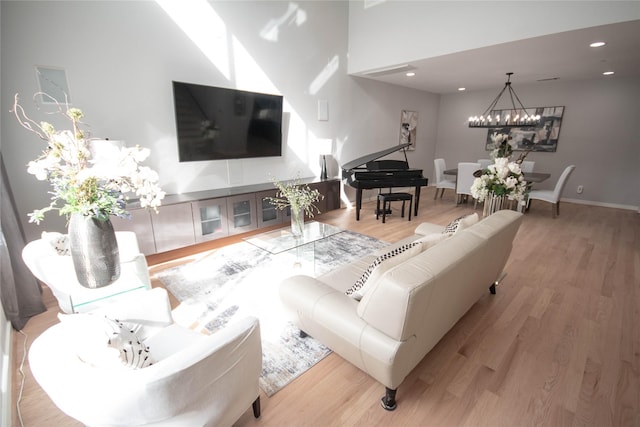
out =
column 527, row 166
column 465, row 180
column 484, row 163
column 552, row 196
column 442, row 181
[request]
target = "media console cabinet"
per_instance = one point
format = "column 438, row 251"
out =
column 190, row 218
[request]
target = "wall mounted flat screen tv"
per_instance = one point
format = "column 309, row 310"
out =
column 215, row 123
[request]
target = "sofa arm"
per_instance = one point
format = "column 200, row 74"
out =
column 321, row 311
column 302, row 293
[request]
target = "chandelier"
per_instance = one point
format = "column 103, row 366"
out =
column 517, row 116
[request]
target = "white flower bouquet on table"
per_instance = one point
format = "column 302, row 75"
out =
column 300, row 198
column 503, row 178
column 296, row 195
column 84, row 185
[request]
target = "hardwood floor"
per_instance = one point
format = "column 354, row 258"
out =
column 558, row 345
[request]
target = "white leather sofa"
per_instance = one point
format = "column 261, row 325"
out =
column 410, row 307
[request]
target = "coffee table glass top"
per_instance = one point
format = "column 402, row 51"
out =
column 282, row 239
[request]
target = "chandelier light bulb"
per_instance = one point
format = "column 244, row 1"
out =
column 495, row 117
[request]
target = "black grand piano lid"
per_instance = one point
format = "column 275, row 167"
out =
column 371, row 157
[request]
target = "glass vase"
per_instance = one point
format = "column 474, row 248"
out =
column 297, row 222
column 94, row 250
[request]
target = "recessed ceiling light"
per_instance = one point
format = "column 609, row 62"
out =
column 462, row 88
column 597, row 44
column 608, row 73
column 410, row 74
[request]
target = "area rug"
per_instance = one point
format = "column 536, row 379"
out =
column 241, row 280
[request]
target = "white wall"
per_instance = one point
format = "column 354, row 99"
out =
column 599, row 134
column 374, row 123
column 120, row 59
column 395, row 32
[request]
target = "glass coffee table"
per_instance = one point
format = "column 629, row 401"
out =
column 302, row 247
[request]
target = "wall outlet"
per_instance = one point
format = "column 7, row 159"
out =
column 580, row 189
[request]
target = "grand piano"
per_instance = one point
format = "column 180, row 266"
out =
column 382, row 174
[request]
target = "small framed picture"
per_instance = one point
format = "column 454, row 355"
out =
column 408, row 128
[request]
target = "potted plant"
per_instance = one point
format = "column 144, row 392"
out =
column 300, row 198
column 89, row 191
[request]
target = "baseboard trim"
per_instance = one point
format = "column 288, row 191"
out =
column 373, row 196
column 6, row 366
column 602, row 204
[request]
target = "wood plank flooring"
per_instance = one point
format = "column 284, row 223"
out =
column 558, row 345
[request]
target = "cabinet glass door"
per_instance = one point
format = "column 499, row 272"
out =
column 211, row 219
column 267, row 213
column 241, row 213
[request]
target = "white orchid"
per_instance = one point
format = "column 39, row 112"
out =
column 84, row 184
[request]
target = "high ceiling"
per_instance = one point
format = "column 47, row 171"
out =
column 565, row 56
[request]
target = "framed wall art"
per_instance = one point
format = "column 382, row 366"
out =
column 543, row 137
column 408, row 128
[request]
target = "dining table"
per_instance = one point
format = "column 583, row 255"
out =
column 531, row 177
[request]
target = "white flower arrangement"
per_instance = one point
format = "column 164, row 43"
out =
column 503, row 178
column 83, row 185
column 501, row 146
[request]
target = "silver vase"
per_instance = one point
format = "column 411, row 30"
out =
column 494, row 203
column 94, row 250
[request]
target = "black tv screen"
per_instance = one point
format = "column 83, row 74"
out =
column 215, row 123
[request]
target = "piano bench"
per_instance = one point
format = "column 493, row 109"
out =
column 393, row 197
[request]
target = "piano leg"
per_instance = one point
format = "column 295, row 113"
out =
column 417, row 197
column 358, row 203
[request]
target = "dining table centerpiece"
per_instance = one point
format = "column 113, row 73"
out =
column 91, row 180
column 499, row 186
column 299, row 198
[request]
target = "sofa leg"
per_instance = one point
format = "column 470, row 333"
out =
column 303, row 334
column 492, row 289
column 256, row 407
column 389, row 400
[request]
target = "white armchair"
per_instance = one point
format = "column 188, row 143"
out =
column 196, row 379
column 58, row 273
